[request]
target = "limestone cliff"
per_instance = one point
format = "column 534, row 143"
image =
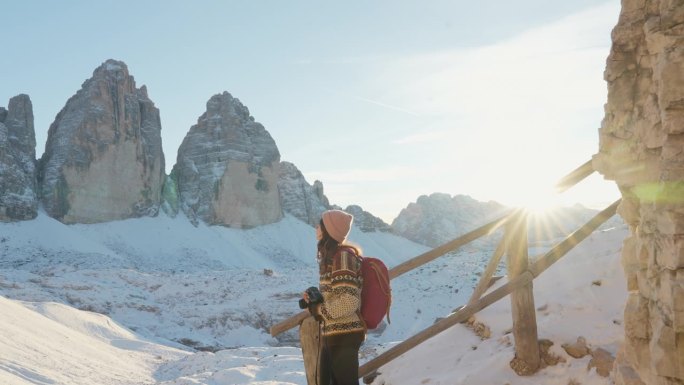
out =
column 103, row 159
column 298, row 197
column 17, row 160
column 227, row 168
column 642, row 149
column 366, row 221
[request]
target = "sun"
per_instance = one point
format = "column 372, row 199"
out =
column 542, row 204
column 538, row 201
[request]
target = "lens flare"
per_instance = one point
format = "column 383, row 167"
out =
column 540, row 202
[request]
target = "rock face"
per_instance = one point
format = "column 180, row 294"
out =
column 298, row 197
column 366, row 221
column 103, row 159
column 642, row 149
column 17, row 161
column 307, row 202
column 227, row 168
column 438, row 218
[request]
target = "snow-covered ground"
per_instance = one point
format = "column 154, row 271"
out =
column 161, row 286
column 582, row 295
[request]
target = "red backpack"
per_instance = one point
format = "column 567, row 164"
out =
column 376, row 294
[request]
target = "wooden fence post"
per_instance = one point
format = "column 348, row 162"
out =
column 309, row 336
column 527, row 358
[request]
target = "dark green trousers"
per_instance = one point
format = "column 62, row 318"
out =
column 339, row 360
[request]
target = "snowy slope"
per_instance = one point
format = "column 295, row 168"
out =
column 58, row 344
column 581, row 295
column 206, row 287
column 159, row 282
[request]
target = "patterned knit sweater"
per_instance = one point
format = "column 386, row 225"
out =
column 340, row 284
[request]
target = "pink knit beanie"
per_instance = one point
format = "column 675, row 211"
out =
column 337, row 223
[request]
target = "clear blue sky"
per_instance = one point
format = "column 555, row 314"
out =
column 382, row 101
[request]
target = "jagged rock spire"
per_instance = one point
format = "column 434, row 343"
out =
column 103, row 159
column 304, row 201
column 17, row 160
column 227, row 168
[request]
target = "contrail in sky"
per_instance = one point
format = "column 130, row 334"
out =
column 391, row 107
column 381, row 104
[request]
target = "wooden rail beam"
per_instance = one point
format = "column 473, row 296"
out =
column 289, row 323
column 408, row 266
column 485, row 280
column 447, row 247
column 461, row 315
column 575, row 176
column 558, row 251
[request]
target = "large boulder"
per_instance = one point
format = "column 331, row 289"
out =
column 227, row 168
column 103, row 159
column 304, row 201
column 17, row 160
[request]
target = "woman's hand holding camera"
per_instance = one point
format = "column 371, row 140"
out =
column 311, row 299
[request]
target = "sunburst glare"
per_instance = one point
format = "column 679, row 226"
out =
column 541, row 202
column 537, row 201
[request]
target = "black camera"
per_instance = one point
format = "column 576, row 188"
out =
column 315, row 297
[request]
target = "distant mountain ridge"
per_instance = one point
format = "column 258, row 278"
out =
column 437, row 218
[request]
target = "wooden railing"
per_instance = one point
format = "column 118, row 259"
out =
column 475, row 305
column 521, row 273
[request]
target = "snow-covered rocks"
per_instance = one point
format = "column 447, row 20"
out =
column 17, row 160
column 304, row 201
column 438, row 218
column 366, row 221
column 103, row 159
column 227, row 168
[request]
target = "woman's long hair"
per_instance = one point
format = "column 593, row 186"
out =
column 327, row 246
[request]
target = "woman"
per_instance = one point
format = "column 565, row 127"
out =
column 343, row 331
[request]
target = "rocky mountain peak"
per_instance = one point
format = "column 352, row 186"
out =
column 366, row 221
column 298, row 197
column 19, row 120
column 227, row 168
column 225, row 105
column 437, row 218
column 103, row 159
column 17, row 160
column 318, row 190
